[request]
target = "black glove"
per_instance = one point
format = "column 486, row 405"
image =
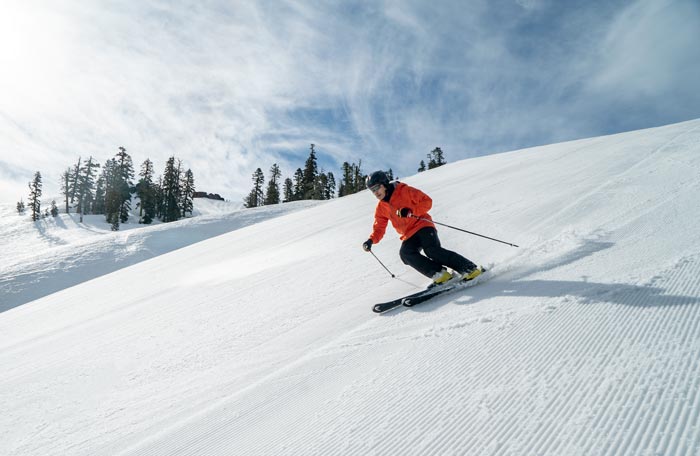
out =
column 367, row 245
column 404, row 212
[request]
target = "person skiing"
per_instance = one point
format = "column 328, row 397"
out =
column 407, row 209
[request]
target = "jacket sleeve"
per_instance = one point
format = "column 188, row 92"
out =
column 421, row 203
column 379, row 227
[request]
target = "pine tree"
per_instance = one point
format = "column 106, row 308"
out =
column 98, row 206
column 288, row 190
column 146, row 192
column 436, row 158
column 329, row 187
column 346, row 181
column 255, row 197
column 74, row 181
column 112, row 193
column 66, row 187
column 86, row 185
column 188, row 193
column 359, row 178
column 324, row 188
column 272, row 196
column 353, row 180
column 35, row 196
column 310, row 179
column 171, row 192
column 298, row 185
column 319, row 192
column 126, row 178
column 160, row 197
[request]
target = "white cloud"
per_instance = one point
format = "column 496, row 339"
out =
column 531, row 5
column 230, row 86
column 650, row 48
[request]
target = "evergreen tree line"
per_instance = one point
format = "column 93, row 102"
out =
column 110, row 191
column 310, row 184
column 436, row 158
column 170, row 197
column 306, row 184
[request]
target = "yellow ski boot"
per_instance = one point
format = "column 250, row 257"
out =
column 473, row 274
column 441, row 277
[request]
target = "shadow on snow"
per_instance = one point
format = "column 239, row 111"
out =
column 514, row 283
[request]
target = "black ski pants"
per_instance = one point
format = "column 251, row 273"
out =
column 426, row 239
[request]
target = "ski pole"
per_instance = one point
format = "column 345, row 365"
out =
column 392, row 274
column 387, row 269
column 464, row 231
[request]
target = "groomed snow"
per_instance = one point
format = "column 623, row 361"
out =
column 261, row 340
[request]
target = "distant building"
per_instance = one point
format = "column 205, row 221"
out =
column 213, row 196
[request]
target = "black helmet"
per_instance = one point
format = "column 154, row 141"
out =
column 376, row 178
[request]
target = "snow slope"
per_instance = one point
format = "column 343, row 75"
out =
column 261, row 341
column 56, row 253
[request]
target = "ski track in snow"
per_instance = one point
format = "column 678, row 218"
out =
column 585, row 341
column 613, row 378
column 621, row 382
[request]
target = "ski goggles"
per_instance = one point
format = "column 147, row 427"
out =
column 375, row 188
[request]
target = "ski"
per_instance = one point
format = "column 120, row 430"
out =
column 411, row 301
column 428, row 293
column 386, row 306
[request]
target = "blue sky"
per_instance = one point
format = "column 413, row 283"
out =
column 229, row 86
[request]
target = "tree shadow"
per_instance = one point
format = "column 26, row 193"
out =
column 43, row 229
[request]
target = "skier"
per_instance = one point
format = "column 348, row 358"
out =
column 407, row 209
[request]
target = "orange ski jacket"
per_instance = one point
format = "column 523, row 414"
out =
column 404, row 196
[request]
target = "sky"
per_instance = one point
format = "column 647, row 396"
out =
column 230, row 86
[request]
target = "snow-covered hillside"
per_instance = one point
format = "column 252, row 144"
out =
column 41, row 258
column 261, row 341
